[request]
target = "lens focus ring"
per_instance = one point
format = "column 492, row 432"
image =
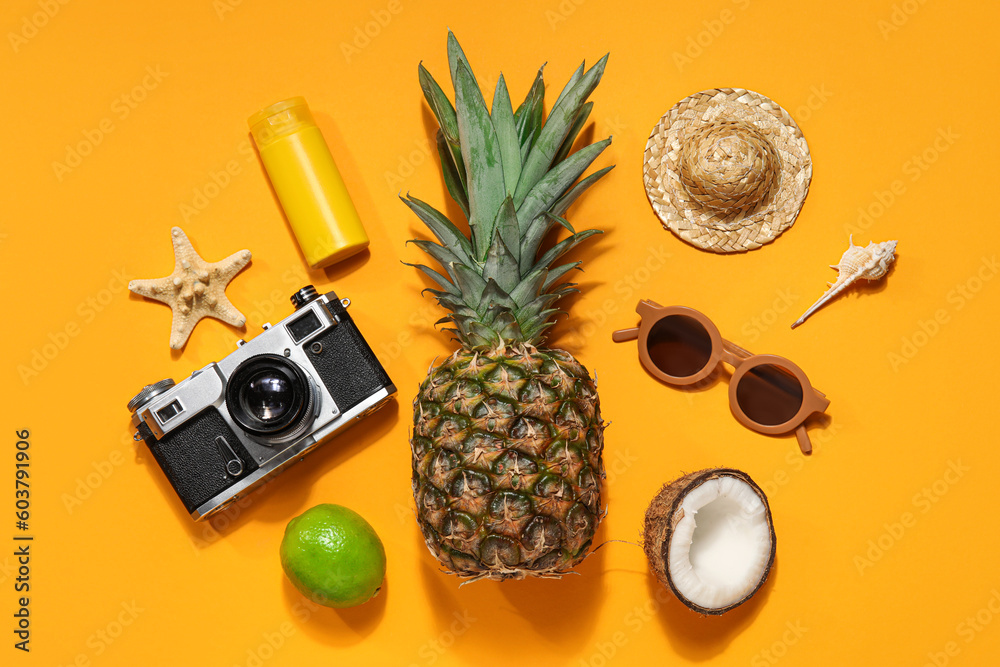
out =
column 270, row 398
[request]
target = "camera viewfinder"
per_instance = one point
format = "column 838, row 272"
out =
column 302, row 327
column 172, row 409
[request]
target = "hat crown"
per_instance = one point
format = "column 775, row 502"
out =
column 727, row 169
column 728, row 166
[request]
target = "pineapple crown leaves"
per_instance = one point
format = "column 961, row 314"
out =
column 513, row 174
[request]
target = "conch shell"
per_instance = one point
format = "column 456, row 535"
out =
column 870, row 262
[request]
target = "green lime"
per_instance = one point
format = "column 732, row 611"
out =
column 333, row 556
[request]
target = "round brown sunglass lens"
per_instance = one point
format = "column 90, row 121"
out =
column 679, row 345
column 769, row 394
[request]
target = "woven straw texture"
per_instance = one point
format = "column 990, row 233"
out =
column 727, row 170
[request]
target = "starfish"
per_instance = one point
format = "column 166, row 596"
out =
column 195, row 289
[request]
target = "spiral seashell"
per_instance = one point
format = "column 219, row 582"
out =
column 870, row 262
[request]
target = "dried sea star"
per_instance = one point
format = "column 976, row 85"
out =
column 196, row 289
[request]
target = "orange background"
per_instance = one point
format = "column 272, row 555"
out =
column 884, row 550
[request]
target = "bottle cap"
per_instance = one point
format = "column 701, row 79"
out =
column 279, row 120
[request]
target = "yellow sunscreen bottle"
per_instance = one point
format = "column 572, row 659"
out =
column 305, row 178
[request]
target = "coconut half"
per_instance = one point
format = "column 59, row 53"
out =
column 709, row 538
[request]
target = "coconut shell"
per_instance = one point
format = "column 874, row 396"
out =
column 664, row 513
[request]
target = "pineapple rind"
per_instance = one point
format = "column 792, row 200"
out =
column 507, row 462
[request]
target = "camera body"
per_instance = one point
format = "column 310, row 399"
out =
column 234, row 424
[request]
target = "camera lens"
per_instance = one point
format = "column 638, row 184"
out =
column 269, row 397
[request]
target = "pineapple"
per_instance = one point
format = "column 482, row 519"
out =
column 507, row 433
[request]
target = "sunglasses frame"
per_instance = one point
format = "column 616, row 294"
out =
column 726, row 351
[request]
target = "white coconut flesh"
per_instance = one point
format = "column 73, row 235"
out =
column 719, row 550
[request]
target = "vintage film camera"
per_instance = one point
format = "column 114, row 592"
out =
column 235, row 424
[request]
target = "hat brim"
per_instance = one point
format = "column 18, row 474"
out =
column 690, row 219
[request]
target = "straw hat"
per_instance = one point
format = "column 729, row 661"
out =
column 727, row 170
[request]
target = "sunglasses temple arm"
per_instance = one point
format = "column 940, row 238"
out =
column 822, row 401
column 623, row 335
column 804, row 444
column 736, row 352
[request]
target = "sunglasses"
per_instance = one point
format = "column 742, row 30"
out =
column 767, row 393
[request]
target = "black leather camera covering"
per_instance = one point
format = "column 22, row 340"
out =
column 346, row 365
column 191, row 459
column 192, row 462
